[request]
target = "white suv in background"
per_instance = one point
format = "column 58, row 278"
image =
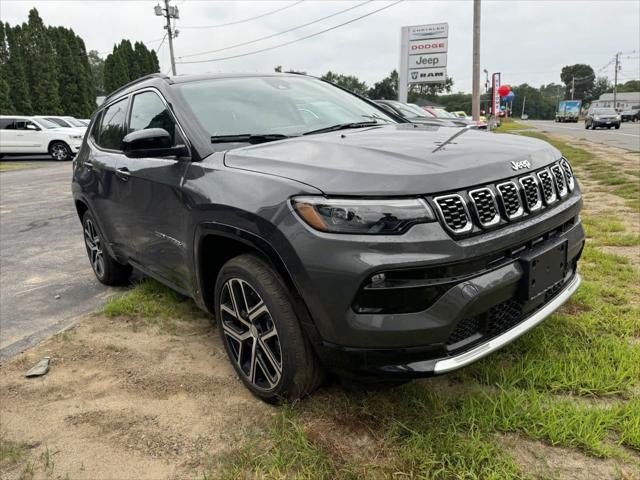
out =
column 21, row 135
column 63, row 121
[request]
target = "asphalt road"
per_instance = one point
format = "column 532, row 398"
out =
column 42, row 257
column 627, row 137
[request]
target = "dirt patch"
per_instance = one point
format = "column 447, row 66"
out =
column 123, row 402
column 543, row 461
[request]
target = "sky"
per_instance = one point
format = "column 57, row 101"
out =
column 527, row 41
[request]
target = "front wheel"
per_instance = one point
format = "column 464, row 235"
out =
column 261, row 332
column 106, row 269
column 60, row 151
column 617, row 126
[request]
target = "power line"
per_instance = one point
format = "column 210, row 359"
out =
column 246, row 19
column 296, row 40
column 275, row 34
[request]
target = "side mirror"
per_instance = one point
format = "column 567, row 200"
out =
column 151, row 142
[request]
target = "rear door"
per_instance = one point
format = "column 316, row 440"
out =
column 29, row 137
column 149, row 191
column 97, row 170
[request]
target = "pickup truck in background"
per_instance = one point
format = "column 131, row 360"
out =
column 568, row 111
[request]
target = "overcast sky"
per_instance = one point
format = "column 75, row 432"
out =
column 528, row 41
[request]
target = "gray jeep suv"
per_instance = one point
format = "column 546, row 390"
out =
column 322, row 233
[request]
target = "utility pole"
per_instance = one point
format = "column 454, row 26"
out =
column 573, row 86
column 475, row 86
column 169, row 13
column 615, row 80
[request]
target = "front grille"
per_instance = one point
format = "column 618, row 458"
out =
column 496, row 204
column 531, row 193
column 485, row 206
column 455, row 213
column 568, row 173
column 510, row 196
column 560, row 181
column 548, row 188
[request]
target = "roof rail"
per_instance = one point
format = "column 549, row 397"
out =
column 133, row 82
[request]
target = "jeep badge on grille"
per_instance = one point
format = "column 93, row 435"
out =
column 520, row 165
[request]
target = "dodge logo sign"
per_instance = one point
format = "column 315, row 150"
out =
column 520, row 165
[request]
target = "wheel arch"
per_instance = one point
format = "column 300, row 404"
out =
column 57, row 140
column 217, row 243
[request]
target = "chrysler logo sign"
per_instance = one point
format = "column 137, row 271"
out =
column 520, row 165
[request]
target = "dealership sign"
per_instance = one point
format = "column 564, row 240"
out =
column 495, row 86
column 423, row 56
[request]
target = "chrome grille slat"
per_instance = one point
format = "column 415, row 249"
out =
column 547, row 186
column 531, row 193
column 485, row 206
column 510, row 196
column 454, row 212
column 561, row 183
column 568, row 173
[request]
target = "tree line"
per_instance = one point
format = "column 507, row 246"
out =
column 46, row 70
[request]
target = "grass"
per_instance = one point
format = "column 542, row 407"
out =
column 572, row 382
column 8, row 166
column 150, row 302
column 509, row 125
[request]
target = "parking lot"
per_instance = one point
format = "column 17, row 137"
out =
column 47, row 282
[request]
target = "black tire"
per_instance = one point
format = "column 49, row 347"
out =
column 60, row 151
column 300, row 371
column 586, row 125
column 106, row 269
column 617, row 126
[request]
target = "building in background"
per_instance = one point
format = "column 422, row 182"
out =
column 624, row 100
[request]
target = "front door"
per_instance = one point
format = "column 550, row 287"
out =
column 149, row 190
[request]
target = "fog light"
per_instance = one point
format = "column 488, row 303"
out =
column 378, row 279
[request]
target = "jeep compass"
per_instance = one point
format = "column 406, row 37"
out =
column 322, row 233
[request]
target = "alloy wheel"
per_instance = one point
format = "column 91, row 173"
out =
column 94, row 248
column 251, row 334
column 59, row 152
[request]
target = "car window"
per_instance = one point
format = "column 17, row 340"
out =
column 7, row 124
column 58, row 121
column 74, row 122
column 149, row 111
column 111, row 130
column 277, row 105
column 605, row 111
column 42, row 123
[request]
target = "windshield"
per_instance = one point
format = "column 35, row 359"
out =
column 74, row 122
column 407, row 110
column 442, row 113
column 45, row 123
column 605, row 111
column 274, row 105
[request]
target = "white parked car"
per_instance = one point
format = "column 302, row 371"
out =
column 63, row 121
column 21, row 135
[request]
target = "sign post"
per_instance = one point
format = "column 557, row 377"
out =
column 423, row 56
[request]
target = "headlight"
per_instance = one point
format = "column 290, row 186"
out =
column 596, row 117
column 381, row 217
column 75, row 137
column 617, row 117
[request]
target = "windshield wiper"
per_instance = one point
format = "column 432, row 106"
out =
column 248, row 138
column 342, row 126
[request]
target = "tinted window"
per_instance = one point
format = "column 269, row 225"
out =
column 149, row 111
column 111, row 130
column 605, row 111
column 6, row 124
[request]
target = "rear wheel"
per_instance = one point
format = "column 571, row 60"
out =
column 617, row 126
column 60, row 151
column 261, row 332
column 106, row 269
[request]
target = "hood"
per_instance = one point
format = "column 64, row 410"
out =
column 394, row 159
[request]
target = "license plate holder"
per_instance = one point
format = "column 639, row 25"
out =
column 543, row 268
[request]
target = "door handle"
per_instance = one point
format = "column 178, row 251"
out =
column 123, row 173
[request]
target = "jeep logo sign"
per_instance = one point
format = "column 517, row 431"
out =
column 423, row 57
column 520, row 165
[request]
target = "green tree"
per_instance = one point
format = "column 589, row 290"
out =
column 6, row 105
column 350, row 82
column 385, row 89
column 42, row 68
column 85, row 75
column 630, row 86
column 600, row 86
column 582, row 76
column 68, row 68
column 126, row 63
column 96, row 65
column 18, row 86
column 429, row 91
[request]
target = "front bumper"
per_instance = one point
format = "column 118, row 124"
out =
column 477, row 276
